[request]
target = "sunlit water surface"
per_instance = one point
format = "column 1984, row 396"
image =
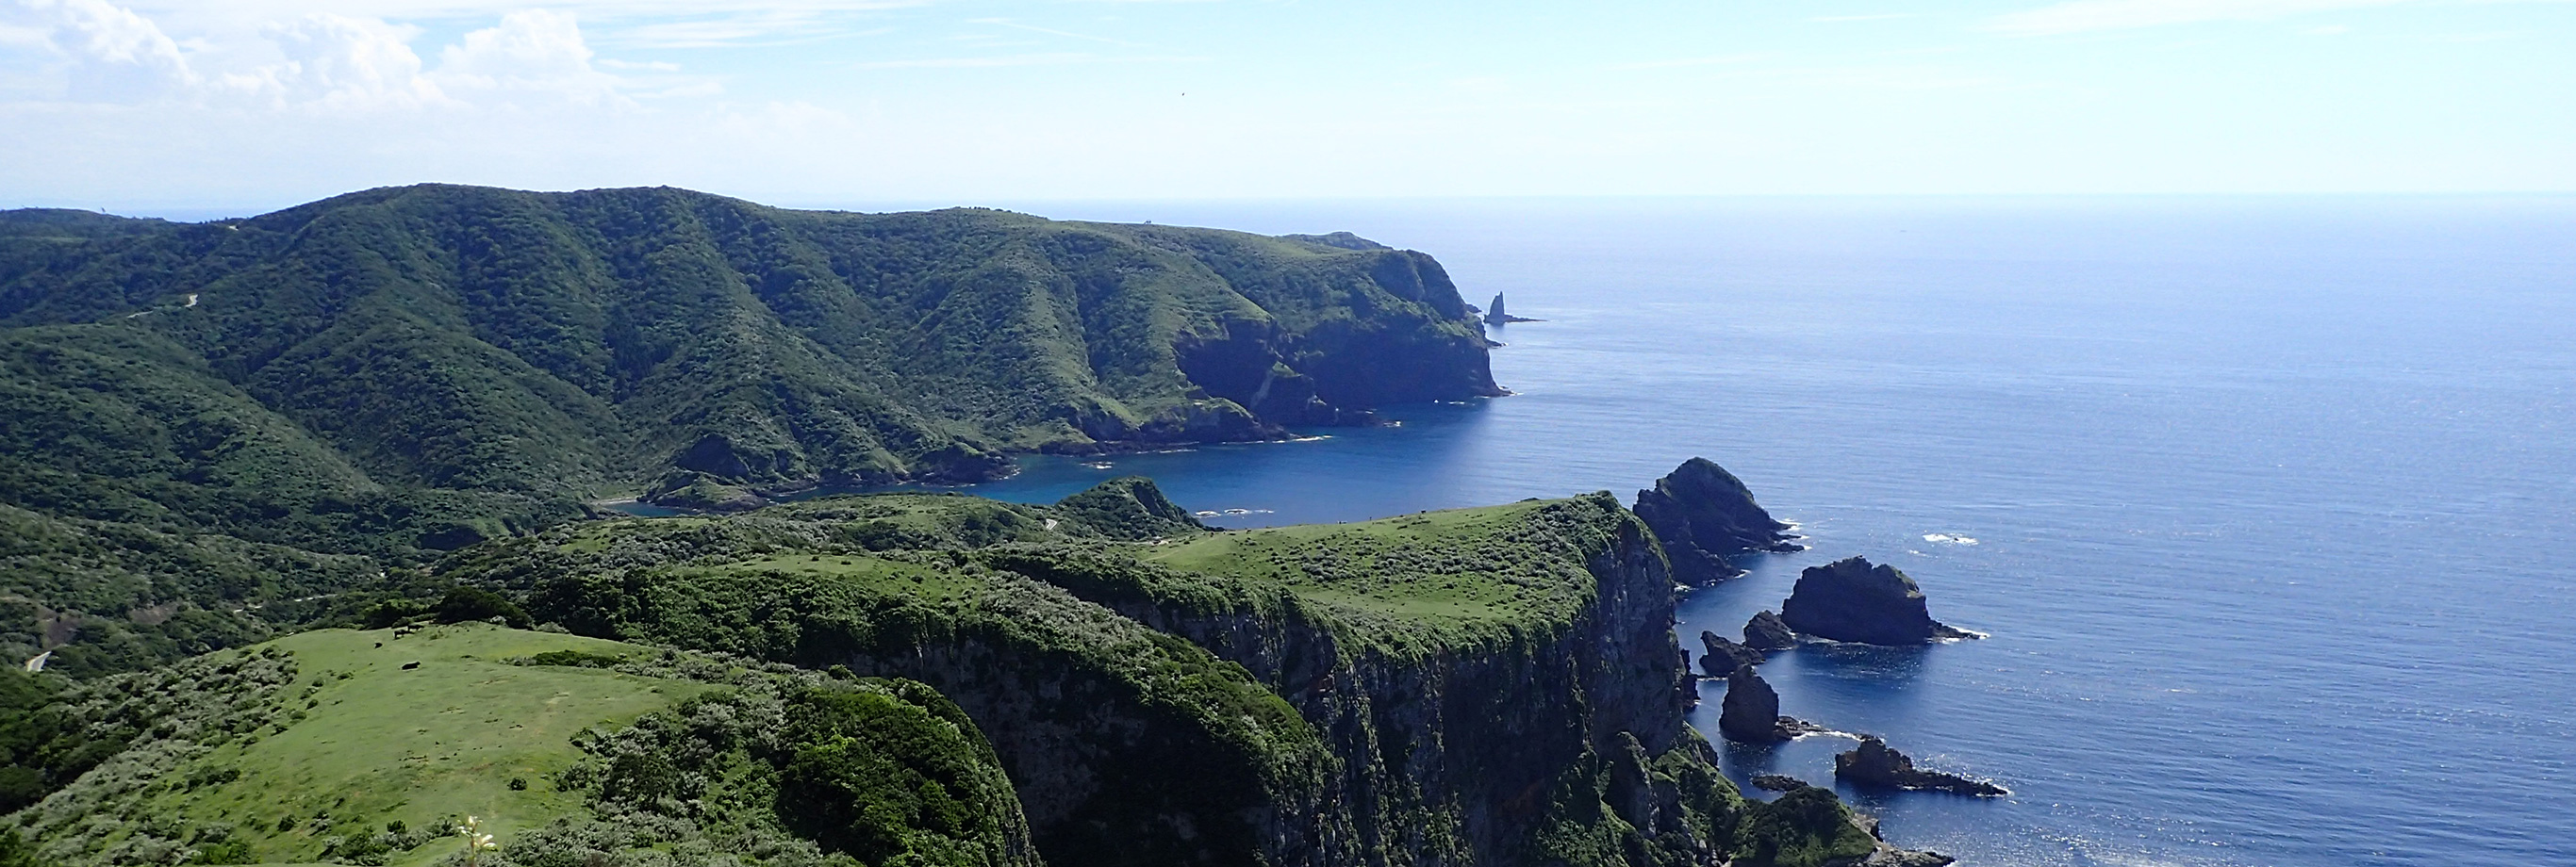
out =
column 2269, row 505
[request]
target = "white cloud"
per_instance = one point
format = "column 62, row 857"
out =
column 98, row 52
column 112, row 54
column 2079, row 16
column 338, row 62
column 531, row 51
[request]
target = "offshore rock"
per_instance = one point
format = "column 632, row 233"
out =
column 1495, row 315
column 1890, row 856
column 1704, row 515
column 1751, row 714
column 1723, row 656
column 1766, row 632
column 1778, row 783
column 1850, row 600
column 1875, row 765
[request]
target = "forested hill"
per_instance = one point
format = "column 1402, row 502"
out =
column 409, row 369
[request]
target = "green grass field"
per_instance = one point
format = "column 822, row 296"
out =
column 909, row 580
column 1422, row 581
column 445, row 739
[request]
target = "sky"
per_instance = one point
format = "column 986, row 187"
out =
column 251, row 105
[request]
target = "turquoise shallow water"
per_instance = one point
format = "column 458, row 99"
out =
column 2271, row 498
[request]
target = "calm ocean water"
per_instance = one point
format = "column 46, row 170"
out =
column 2269, row 505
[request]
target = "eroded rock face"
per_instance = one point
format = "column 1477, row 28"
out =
column 1704, row 515
column 1723, row 656
column 1766, row 632
column 1874, row 764
column 1850, row 600
column 1751, row 714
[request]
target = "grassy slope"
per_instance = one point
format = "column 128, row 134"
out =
column 443, row 739
column 1406, row 585
column 418, row 746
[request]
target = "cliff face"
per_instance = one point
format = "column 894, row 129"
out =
column 1487, row 748
column 1479, row 687
column 1126, row 747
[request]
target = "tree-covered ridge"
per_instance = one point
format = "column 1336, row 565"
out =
column 396, row 373
column 554, row 344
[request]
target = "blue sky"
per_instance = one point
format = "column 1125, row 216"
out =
column 255, row 104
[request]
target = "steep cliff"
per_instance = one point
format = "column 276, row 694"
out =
column 1485, row 686
column 1480, row 720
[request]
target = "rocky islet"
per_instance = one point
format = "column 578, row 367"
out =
column 1766, row 632
column 1875, row 765
column 1852, row 600
column 1706, row 518
column 1723, row 657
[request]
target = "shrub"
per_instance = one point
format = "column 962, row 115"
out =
column 575, row 659
column 465, row 604
column 226, row 852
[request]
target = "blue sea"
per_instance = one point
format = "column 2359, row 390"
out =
column 2267, row 504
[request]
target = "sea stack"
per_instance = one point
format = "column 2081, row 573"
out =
column 1751, row 713
column 1723, row 656
column 1875, row 765
column 1766, row 632
column 1494, row 314
column 1704, row 515
column 1850, row 600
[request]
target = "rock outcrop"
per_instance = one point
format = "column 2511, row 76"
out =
column 1850, row 600
column 1704, row 516
column 1751, row 714
column 1889, row 856
column 1766, row 632
column 1778, row 783
column 1496, row 316
column 1875, row 765
column 1723, row 656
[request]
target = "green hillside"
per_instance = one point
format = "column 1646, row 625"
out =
column 584, row 343
column 370, row 747
column 400, row 372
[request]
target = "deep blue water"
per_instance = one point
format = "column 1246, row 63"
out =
column 2273, row 500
